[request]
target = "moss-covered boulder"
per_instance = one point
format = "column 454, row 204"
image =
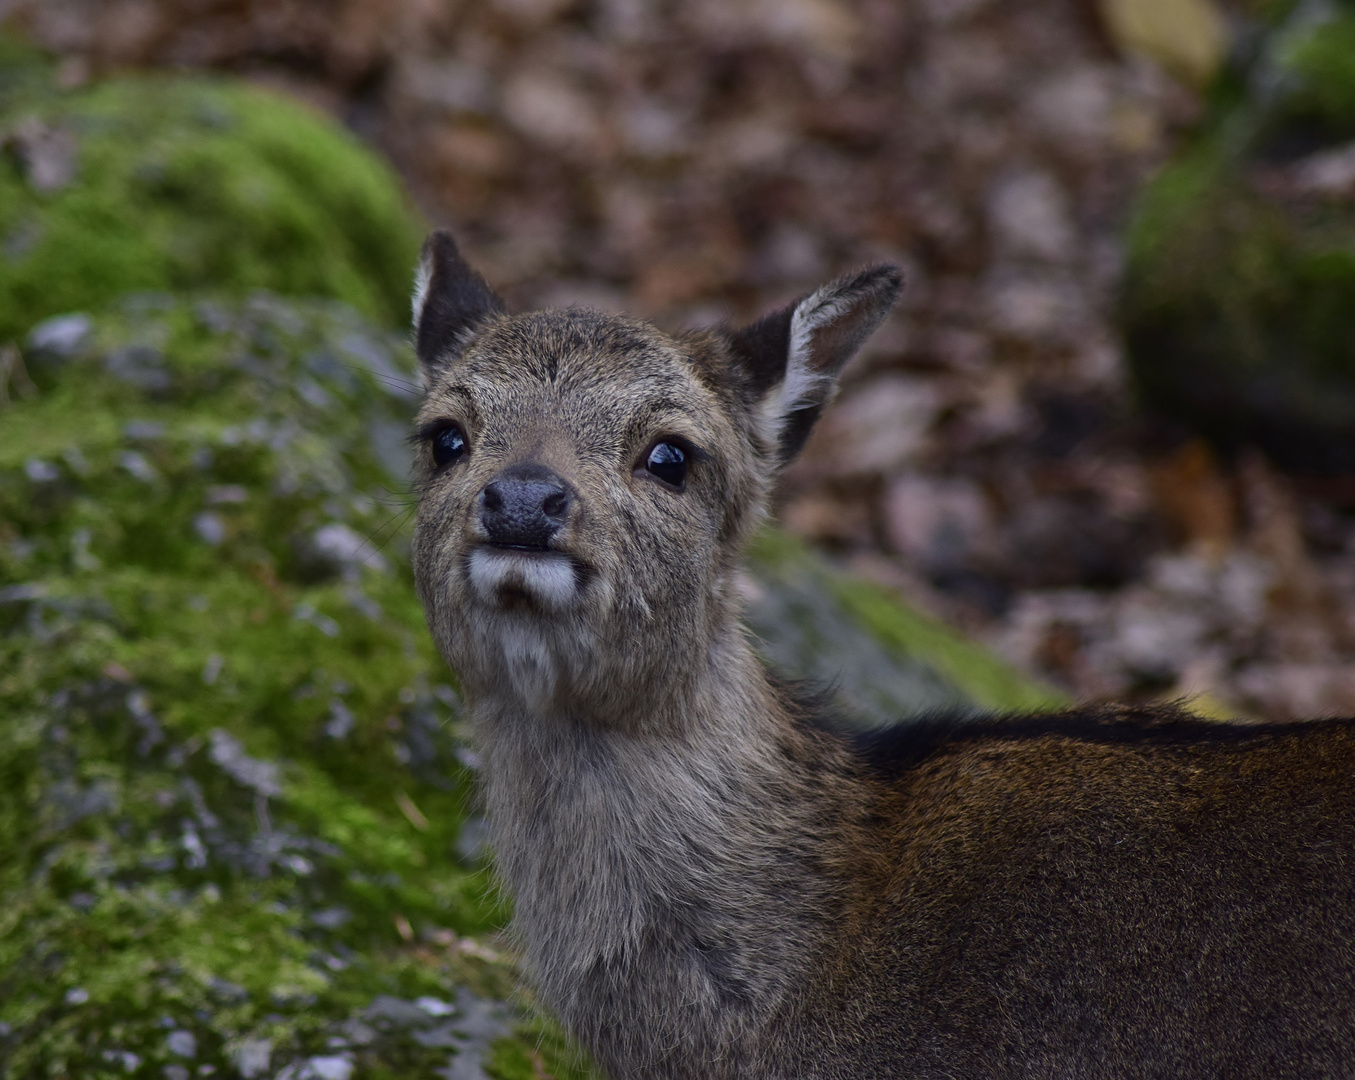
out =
column 165, row 183
column 1240, row 280
column 883, row 659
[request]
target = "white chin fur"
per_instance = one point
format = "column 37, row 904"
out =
column 547, row 579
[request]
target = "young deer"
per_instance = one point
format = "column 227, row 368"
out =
column 711, row 880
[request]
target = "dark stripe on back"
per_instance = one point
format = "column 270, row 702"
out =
column 895, row 749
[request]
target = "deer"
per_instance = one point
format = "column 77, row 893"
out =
column 712, row 876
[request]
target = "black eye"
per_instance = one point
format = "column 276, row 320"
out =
column 449, row 444
column 668, row 462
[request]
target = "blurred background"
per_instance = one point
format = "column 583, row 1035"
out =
column 1108, row 432
column 1109, row 435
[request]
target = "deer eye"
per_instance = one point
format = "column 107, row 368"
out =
column 667, row 461
column 449, row 444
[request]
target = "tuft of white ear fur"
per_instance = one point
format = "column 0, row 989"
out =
column 803, row 386
column 450, row 302
column 422, row 277
column 826, row 329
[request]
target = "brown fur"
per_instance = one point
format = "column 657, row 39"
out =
column 712, row 881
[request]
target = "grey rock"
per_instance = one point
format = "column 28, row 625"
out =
column 391, row 447
column 141, row 366
column 22, row 594
column 341, row 720
column 472, row 842
column 49, row 154
column 41, row 472
column 306, row 613
column 435, row 1006
column 183, row 1043
column 343, row 547
column 252, row 1057
column 326, row 1067
column 396, row 1012
column 443, row 1036
column 331, row 918
column 143, row 429
column 227, row 494
column 61, row 337
column 210, row 529
column 805, row 633
column 227, row 990
column 136, row 464
column 227, row 753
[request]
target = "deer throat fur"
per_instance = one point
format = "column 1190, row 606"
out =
column 670, row 889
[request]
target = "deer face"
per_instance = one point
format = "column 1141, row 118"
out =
column 588, row 481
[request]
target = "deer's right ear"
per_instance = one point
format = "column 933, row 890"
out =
column 450, row 301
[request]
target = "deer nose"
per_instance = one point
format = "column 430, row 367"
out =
column 524, row 507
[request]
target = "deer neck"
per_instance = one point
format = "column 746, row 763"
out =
column 654, row 852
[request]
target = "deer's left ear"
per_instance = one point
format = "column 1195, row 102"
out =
column 791, row 358
column 450, row 301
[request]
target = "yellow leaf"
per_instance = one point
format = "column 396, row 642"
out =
column 1187, row 37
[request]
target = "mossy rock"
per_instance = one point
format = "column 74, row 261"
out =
column 883, row 659
column 1240, row 272
column 233, row 795
column 167, row 183
column 1312, row 88
column 237, row 825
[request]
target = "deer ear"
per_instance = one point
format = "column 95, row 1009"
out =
column 792, row 357
column 450, row 301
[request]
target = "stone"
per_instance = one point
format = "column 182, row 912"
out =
column 546, row 107
column 59, row 337
column 940, row 523
column 252, row 1057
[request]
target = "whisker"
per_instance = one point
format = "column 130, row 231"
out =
column 388, row 379
column 399, row 519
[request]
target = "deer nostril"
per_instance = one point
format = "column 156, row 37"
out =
column 555, row 504
column 493, row 499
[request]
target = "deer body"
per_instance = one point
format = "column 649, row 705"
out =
column 710, row 879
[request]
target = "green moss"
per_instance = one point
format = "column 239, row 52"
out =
column 1239, row 282
column 1321, row 65
column 185, row 183
column 232, row 785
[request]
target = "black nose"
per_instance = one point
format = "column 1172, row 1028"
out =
column 524, row 506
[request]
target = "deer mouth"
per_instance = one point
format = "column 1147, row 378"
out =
column 510, row 576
